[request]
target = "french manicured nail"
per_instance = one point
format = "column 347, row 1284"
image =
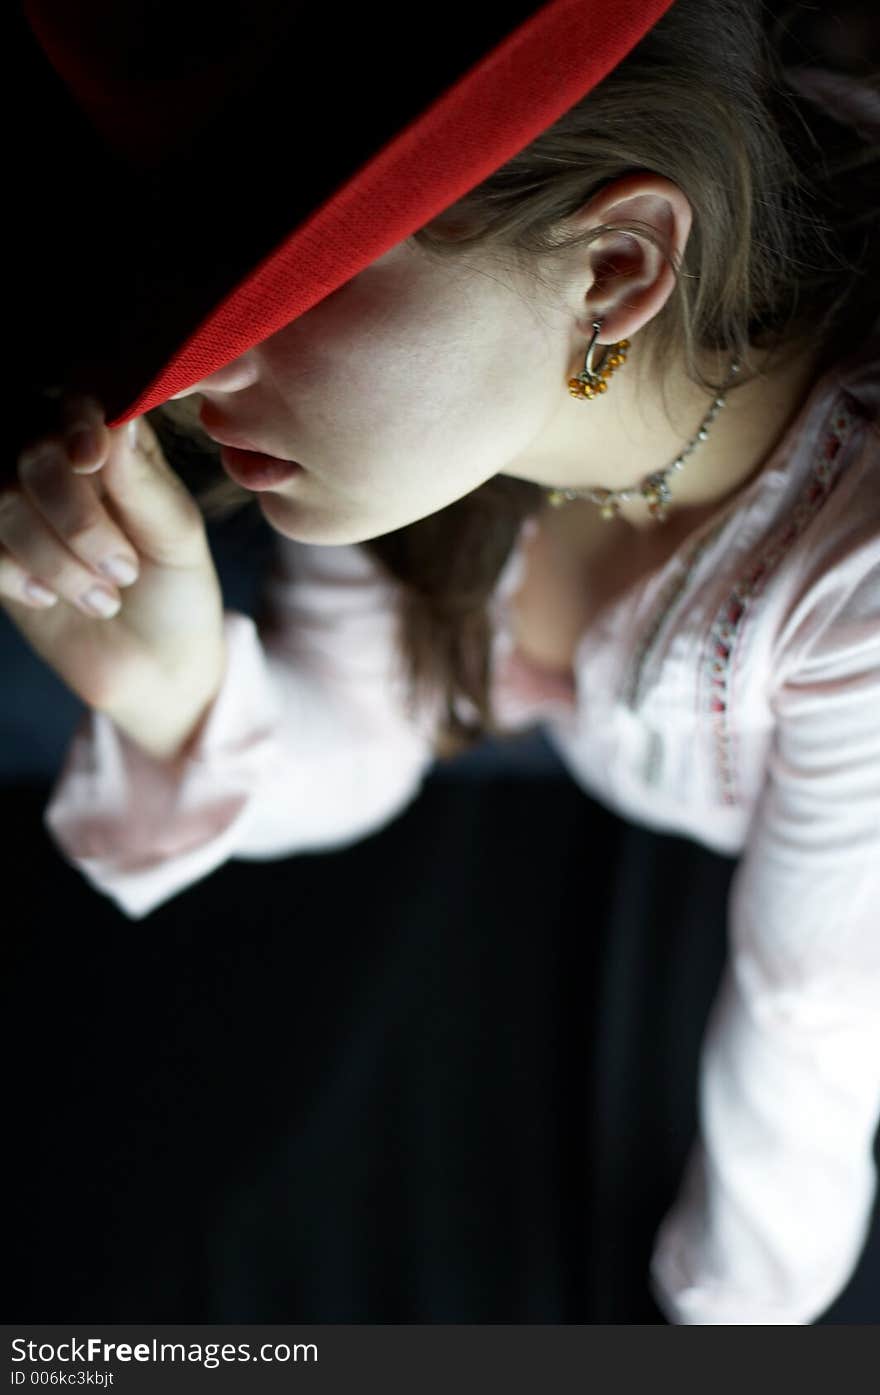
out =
column 101, row 602
column 82, row 446
column 41, row 594
column 120, row 570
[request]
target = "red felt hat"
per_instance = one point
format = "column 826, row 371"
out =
column 272, row 150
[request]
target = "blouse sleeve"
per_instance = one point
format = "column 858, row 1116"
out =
column 308, row 745
column 775, row 1203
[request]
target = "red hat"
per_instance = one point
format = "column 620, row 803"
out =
column 254, row 158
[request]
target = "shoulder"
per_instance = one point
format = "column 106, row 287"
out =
column 826, row 543
column 832, row 625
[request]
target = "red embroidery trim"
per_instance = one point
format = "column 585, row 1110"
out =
column 728, row 627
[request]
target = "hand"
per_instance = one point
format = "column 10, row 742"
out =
column 155, row 659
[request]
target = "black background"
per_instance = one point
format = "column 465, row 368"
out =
column 445, row 1075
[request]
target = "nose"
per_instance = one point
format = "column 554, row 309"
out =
column 232, row 377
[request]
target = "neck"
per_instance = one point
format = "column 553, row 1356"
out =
column 614, row 441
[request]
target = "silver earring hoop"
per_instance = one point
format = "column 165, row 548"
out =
column 590, row 380
column 589, row 370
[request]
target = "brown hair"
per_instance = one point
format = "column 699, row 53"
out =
column 783, row 246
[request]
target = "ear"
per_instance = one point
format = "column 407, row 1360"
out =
column 631, row 279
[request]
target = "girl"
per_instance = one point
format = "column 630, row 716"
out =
column 597, row 447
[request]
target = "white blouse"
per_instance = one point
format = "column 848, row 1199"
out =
column 733, row 697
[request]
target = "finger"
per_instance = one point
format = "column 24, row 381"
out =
column 150, row 502
column 17, row 584
column 31, row 544
column 86, row 437
column 71, row 507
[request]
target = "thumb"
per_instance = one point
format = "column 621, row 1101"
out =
column 148, row 499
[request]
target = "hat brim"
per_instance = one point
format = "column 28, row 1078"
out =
column 344, row 138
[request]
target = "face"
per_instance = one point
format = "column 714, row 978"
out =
column 401, row 392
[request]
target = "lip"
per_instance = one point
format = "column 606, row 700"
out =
column 231, row 438
column 256, row 471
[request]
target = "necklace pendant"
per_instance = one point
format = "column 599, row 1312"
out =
column 657, row 493
column 609, row 505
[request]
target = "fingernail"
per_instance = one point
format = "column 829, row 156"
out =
column 133, row 432
column 101, row 602
column 120, row 570
column 41, row 594
column 82, row 446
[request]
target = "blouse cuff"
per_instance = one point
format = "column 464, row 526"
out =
column 692, row 1289
column 140, row 829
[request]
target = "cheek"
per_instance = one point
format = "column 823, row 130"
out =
column 341, row 394
column 373, row 398
column 396, row 411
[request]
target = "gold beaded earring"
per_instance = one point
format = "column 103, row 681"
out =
column 590, row 380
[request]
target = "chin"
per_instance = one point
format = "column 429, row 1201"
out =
column 291, row 520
